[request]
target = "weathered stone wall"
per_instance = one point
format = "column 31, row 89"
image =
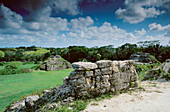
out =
column 101, row 77
column 88, row 79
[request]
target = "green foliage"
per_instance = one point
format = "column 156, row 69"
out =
column 153, row 59
column 79, row 105
column 82, row 53
column 36, row 67
column 16, row 68
column 1, row 64
column 142, row 70
column 15, row 63
column 166, row 76
column 10, row 70
column 2, row 54
column 37, row 55
column 10, row 67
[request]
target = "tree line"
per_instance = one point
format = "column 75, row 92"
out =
column 82, row 53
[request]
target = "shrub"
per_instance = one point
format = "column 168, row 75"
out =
column 37, row 67
column 1, row 64
column 16, row 63
column 30, row 62
column 14, row 71
column 10, row 67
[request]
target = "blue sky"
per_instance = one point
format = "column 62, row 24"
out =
column 63, row 23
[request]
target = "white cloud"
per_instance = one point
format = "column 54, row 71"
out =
column 69, row 6
column 136, row 11
column 142, row 32
column 103, row 35
column 162, row 37
column 9, row 19
column 1, row 38
column 159, row 27
column 81, row 23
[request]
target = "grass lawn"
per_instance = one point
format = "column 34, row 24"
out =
column 12, row 87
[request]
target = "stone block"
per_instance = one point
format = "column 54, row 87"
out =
column 107, row 71
column 97, row 72
column 105, row 78
column 88, row 73
column 76, row 74
column 115, row 75
column 98, row 79
column 105, row 85
column 104, row 63
column 77, row 82
column 84, row 66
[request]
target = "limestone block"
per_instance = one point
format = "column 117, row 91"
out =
column 104, row 63
column 134, row 78
column 16, row 107
column 88, row 73
column 98, row 79
column 98, row 86
column 30, row 100
column 103, row 90
column 97, row 72
column 89, row 80
column 115, row 75
column 106, row 71
column 84, row 66
column 105, row 85
column 76, row 74
column 83, row 87
column 125, row 76
column 77, row 82
column 112, row 89
column 105, row 78
column 82, row 93
column 65, row 80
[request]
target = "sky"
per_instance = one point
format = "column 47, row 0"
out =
column 63, row 23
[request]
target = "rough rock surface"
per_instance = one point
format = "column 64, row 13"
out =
column 55, row 63
column 163, row 71
column 89, row 80
column 143, row 57
column 84, row 65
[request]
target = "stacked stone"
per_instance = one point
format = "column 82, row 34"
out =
column 101, row 77
column 103, row 73
column 82, row 78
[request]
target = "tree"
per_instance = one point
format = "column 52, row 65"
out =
column 125, row 51
column 2, row 54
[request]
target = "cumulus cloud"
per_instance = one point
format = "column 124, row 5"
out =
column 38, row 9
column 136, row 11
column 9, row 19
column 159, row 27
column 140, row 33
column 102, row 35
column 162, row 37
column 81, row 31
column 81, row 23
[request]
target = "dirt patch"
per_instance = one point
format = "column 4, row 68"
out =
column 155, row 98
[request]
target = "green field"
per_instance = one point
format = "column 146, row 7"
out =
column 12, row 87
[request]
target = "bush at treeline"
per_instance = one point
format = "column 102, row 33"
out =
column 82, row 53
column 13, row 68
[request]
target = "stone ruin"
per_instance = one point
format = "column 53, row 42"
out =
column 55, row 63
column 160, row 72
column 87, row 80
column 143, row 58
